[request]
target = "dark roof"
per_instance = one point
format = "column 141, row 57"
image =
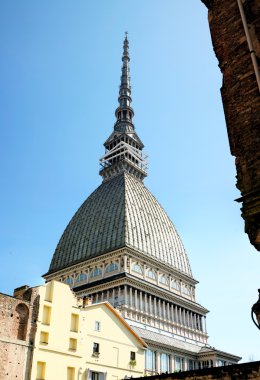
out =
column 120, row 212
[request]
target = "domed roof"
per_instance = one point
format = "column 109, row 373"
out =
column 121, row 212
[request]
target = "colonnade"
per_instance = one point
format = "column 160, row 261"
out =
column 150, row 305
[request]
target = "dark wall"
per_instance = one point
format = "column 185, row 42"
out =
column 241, row 98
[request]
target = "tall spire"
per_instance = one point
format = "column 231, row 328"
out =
column 124, row 113
column 123, row 147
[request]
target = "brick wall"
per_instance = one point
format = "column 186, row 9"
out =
column 17, row 331
column 241, row 100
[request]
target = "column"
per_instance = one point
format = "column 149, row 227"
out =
column 180, row 318
column 155, row 306
column 107, row 295
column 205, row 324
column 141, row 300
column 102, row 296
column 184, row 317
column 176, row 314
column 168, row 312
column 172, row 366
column 113, row 297
column 125, row 295
column 159, row 311
column 158, row 361
column 145, row 302
column 119, row 295
column 136, row 301
column 191, row 319
column 200, row 326
column 150, row 304
column 130, row 296
column 172, row 313
column 197, row 322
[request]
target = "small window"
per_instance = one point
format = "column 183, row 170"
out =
column 95, row 348
column 97, row 326
column 44, row 337
column 111, row 267
column 68, row 281
column 132, row 355
column 70, row 373
column 151, row 274
column 81, row 277
column 46, row 317
column 186, row 290
column 137, row 268
column 73, row 344
column 74, row 323
column 41, row 367
column 163, row 280
column 176, row 285
column 96, row 272
column 94, row 376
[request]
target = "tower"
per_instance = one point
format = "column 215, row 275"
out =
column 121, row 247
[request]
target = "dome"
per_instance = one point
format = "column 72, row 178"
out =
column 121, row 212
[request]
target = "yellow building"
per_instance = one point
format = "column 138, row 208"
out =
column 76, row 342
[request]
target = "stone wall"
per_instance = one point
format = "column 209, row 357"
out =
column 232, row 372
column 17, row 331
column 241, row 100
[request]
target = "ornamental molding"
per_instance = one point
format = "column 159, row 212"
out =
column 85, row 264
column 166, row 269
column 165, row 295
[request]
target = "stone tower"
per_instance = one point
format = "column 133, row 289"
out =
column 121, row 247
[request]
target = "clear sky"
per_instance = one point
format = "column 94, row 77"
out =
column 60, row 65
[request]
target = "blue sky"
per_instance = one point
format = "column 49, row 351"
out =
column 60, row 67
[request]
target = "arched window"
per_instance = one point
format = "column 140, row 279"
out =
column 151, row 274
column 111, row 267
column 22, row 314
column 186, row 290
column 137, row 268
column 81, row 277
column 163, row 280
column 68, row 281
column 96, row 272
column 176, row 285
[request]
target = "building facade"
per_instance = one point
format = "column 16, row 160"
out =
column 73, row 340
column 18, row 314
column 121, row 247
column 235, row 33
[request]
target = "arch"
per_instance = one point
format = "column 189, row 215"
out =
column 151, row 274
column 68, row 281
column 137, row 268
column 186, row 289
column 164, row 280
column 22, row 316
column 96, row 272
column 176, row 285
column 111, row 267
column 81, row 277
